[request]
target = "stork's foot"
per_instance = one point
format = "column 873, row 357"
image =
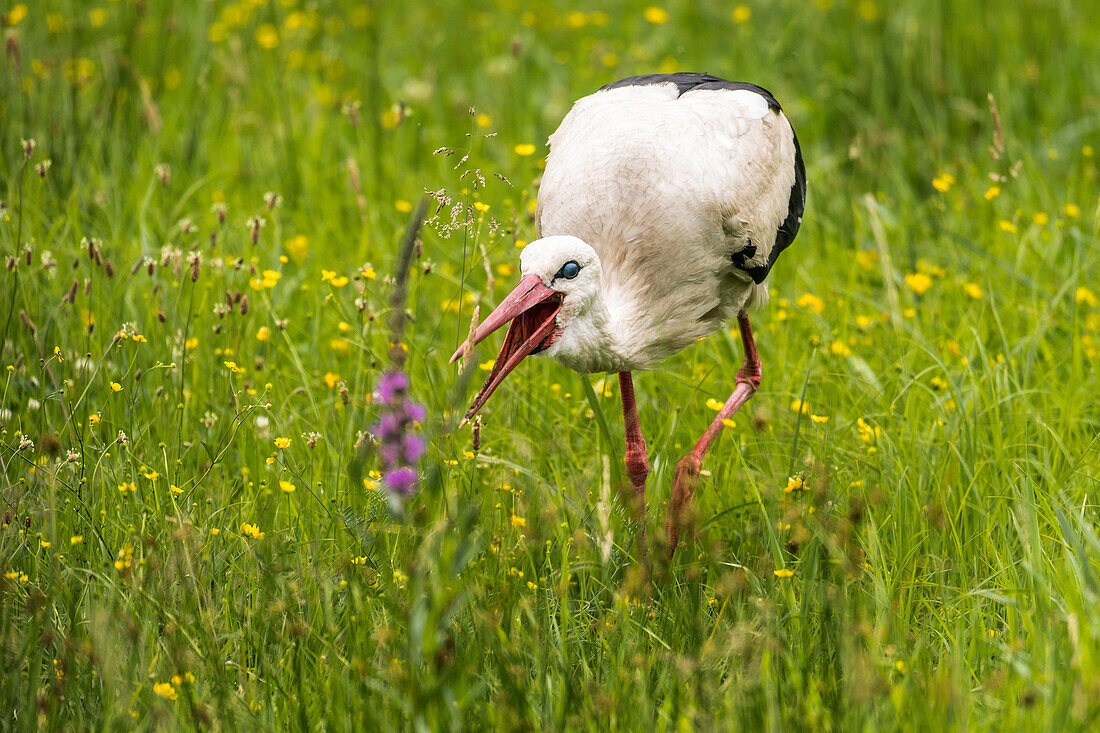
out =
column 680, row 504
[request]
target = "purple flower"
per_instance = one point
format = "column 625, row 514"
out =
column 399, row 447
column 392, row 384
column 400, row 480
column 391, row 453
column 414, row 447
column 415, row 412
column 389, row 426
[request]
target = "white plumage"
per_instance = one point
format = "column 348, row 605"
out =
column 665, row 188
column 665, row 202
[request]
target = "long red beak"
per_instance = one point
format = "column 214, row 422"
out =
column 532, row 308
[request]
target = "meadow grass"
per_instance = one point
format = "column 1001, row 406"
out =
column 900, row 532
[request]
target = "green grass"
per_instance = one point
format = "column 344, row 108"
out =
column 944, row 554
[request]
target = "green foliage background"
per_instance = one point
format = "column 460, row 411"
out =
column 939, row 308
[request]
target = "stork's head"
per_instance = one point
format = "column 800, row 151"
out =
column 560, row 281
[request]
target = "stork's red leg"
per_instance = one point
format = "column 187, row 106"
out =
column 637, row 463
column 687, row 470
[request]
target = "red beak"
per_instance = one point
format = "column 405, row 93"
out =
column 532, row 308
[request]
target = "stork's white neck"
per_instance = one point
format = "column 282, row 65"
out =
column 587, row 343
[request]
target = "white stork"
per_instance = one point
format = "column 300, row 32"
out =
column 665, row 202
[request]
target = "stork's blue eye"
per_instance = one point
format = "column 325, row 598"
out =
column 569, row 270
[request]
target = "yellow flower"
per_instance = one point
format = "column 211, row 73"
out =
column 729, row 423
column 217, row 32
column 973, row 290
column 483, row 120
column 655, row 15
column 287, row 487
column 263, row 334
column 178, row 679
column 252, row 530
column 839, row 348
column 341, row 345
column 45, row 545
column 714, row 404
column 1009, row 227
column 403, row 206
column 16, row 14
column 783, row 573
column 125, row 557
column 369, row 273
column 151, row 475
column 524, row 149
column 282, row 443
column 165, row 690
column 794, row 483
column 868, row 10
column 1085, row 296
column 298, row 247
column 267, row 37
column 811, row 301
column 175, row 489
column 127, row 486
column 800, row 406
column 76, row 539
column 940, row 383
column 1072, row 210
column 866, row 258
column 1040, row 218
column 518, row 522
column 992, row 192
column 268, row 279
column 481, row 206
column 742, row 14
column 97, row 17
column 93, row 419
column 232, row 366
column 819, row 419
column 370, row 485
column 918, row 282
column 867, row 433
column 191, row 343
column 331, row 379
column 485, row 365
column 116, row 387
column 214, row 531
column 943, row 182
column 576, row 19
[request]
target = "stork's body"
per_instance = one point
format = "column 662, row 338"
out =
column 664, row 204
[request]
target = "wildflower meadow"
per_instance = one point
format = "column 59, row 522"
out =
column 241, row 240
